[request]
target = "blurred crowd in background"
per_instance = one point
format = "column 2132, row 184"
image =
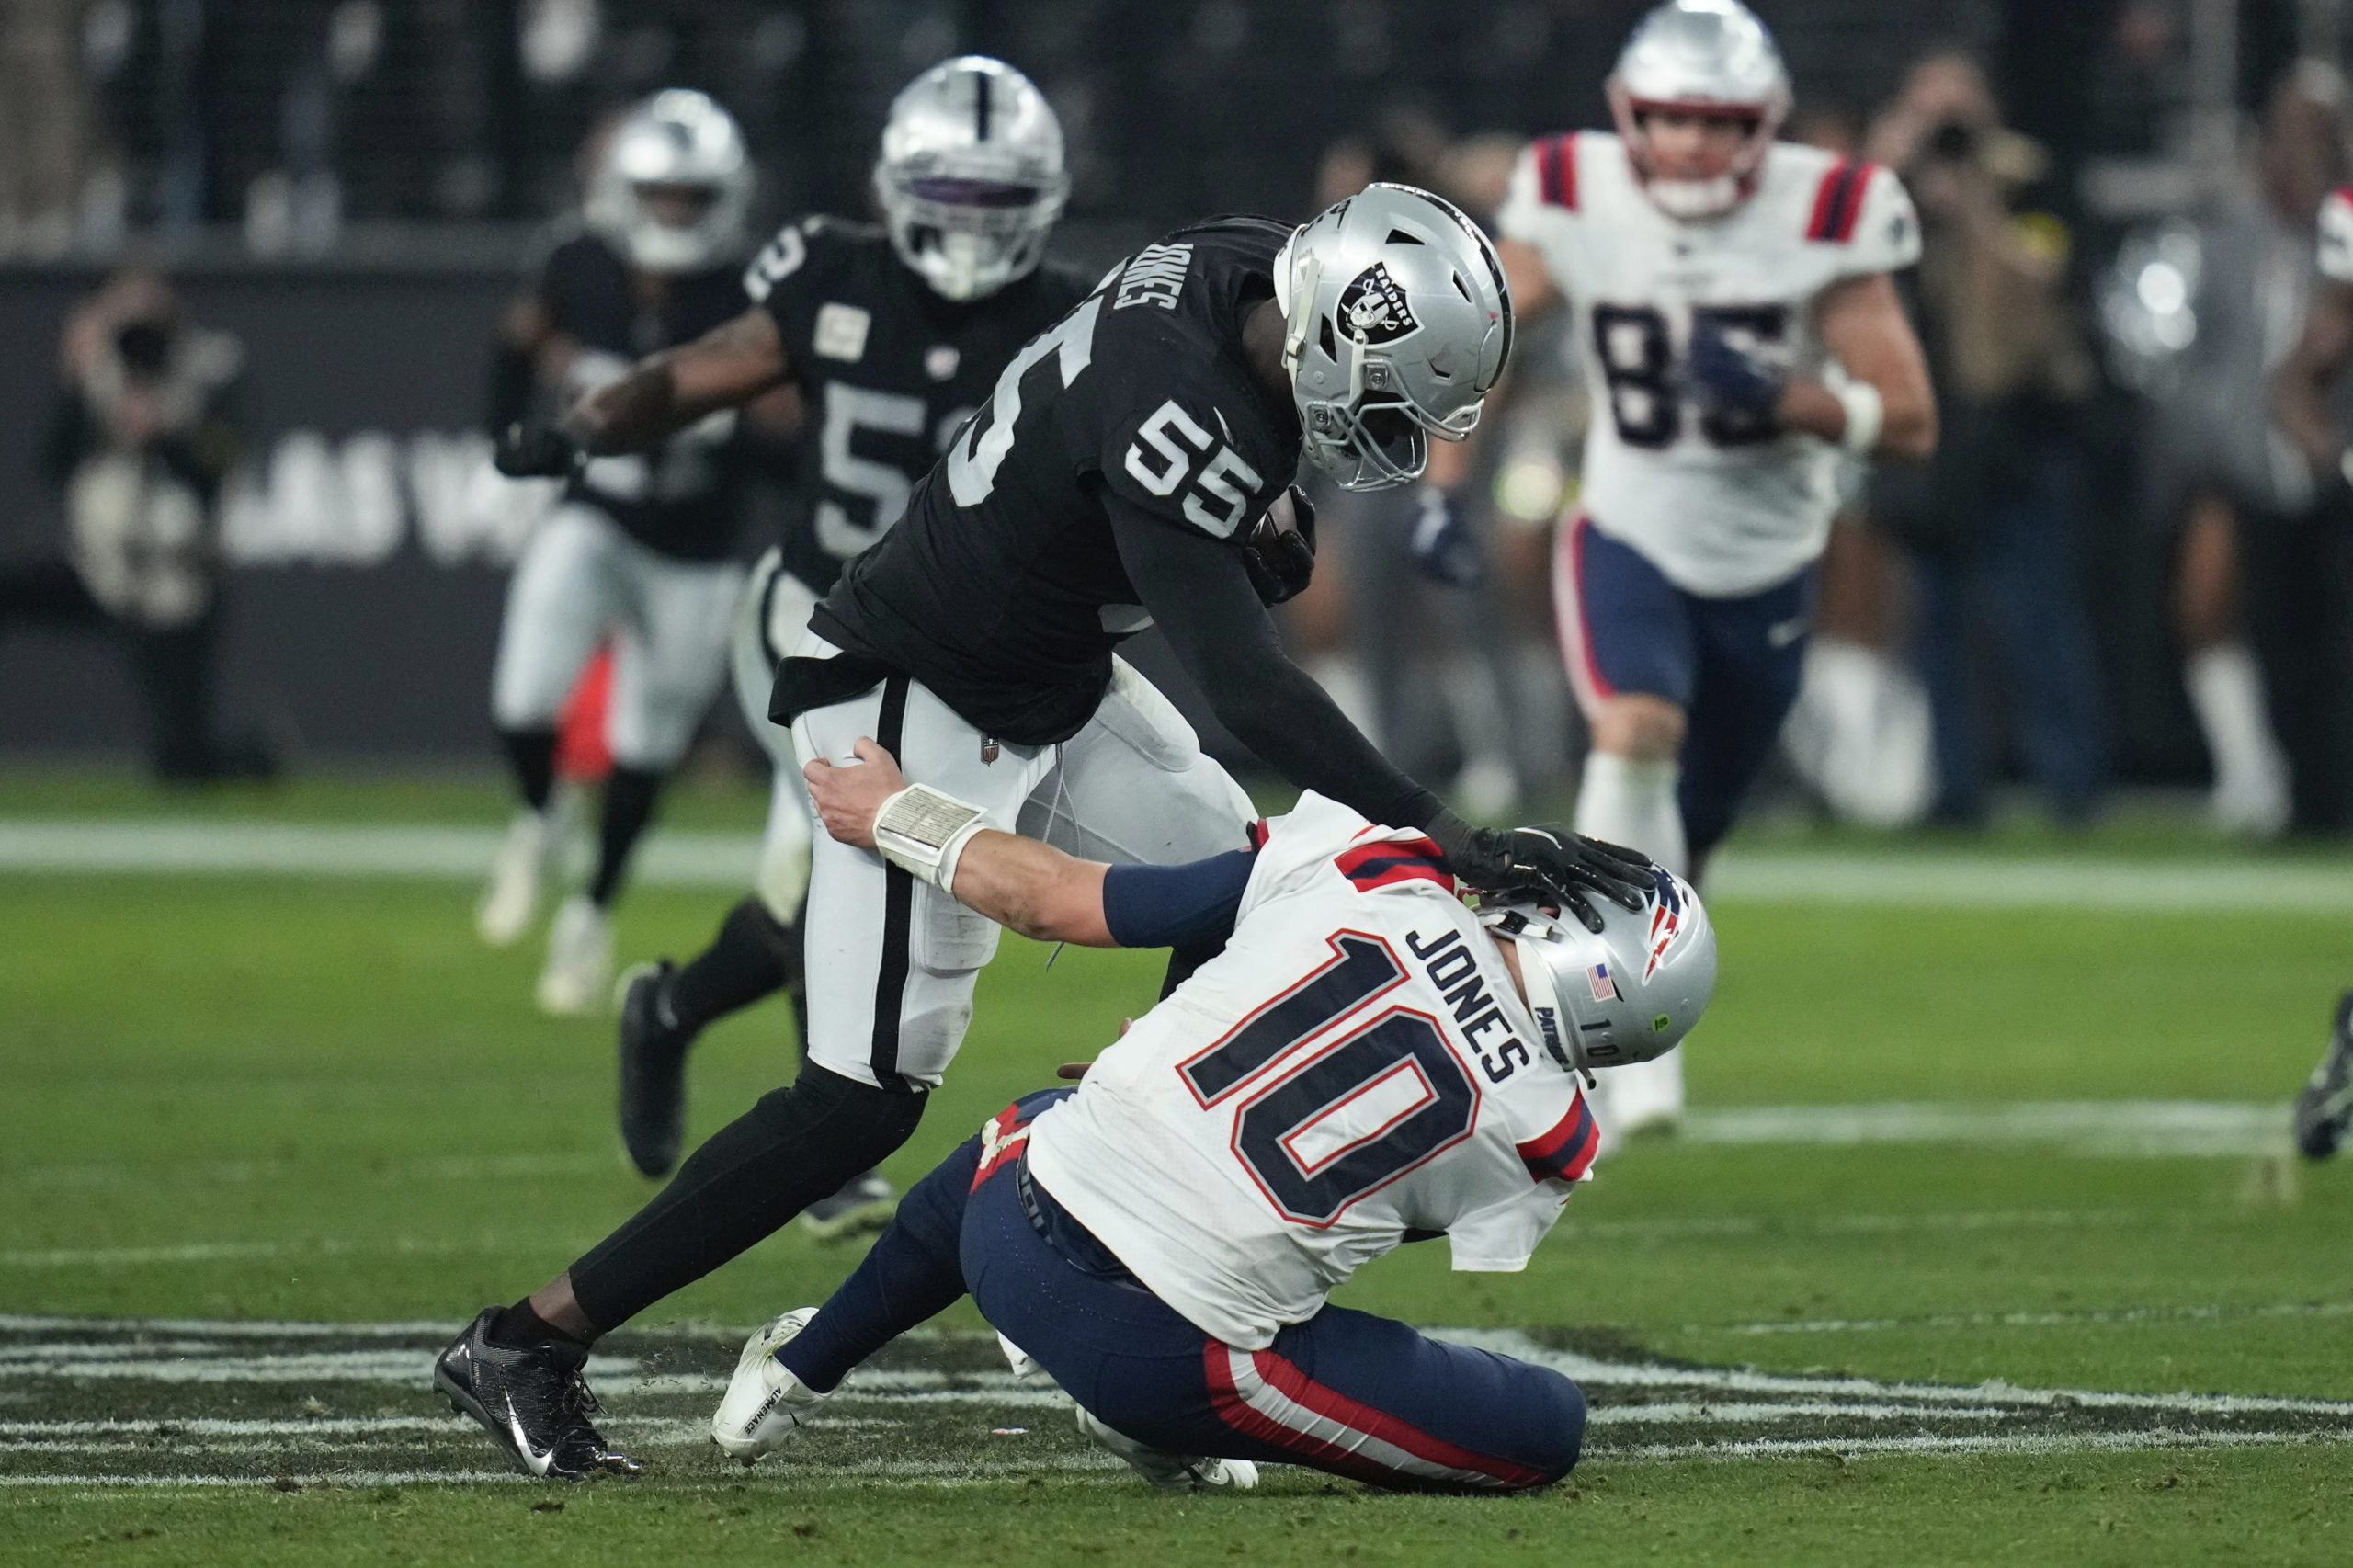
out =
column 2115, row 572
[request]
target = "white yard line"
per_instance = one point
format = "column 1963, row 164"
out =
column 684, row 858
column 2024, row 1443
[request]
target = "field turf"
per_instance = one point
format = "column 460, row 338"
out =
column 233, row 1102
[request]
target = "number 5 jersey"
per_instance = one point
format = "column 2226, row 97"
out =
column 1355, row 1066
column 1723, row 507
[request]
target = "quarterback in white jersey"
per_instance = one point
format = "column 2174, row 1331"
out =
column 1742, row 338
column 1368, row 1062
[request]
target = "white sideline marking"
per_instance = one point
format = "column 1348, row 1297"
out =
column 1979, row 881
column 2127, row 1315
column 217, row 1252
column 2154, row 1128
column 227, row 1173
column 181, row 845
column 1963, row 1222
column 678, row 858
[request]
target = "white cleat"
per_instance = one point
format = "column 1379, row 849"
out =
column 578, row 975
column 1167, row 1472
column 525, row 860
column 765, row 1404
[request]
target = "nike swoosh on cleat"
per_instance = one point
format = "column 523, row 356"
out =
column 537, row 1464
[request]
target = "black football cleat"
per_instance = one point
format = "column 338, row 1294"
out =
column 533, row 1401
column 653, row 1070
column 2326, row 1106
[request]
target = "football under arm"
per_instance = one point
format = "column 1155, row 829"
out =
column 665, row 392
column 1199, row 595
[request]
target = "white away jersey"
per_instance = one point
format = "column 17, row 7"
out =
column 1355, row 1065
column 1722, row 508
column 2336, row 234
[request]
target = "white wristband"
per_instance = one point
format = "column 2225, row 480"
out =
column 923, row 832
column 1866, row 414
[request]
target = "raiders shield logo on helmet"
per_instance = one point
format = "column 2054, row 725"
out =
column 1372, row 309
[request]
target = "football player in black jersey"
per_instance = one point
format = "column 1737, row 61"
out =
column 893, row 336
column 639, row 551
column 1132, row 464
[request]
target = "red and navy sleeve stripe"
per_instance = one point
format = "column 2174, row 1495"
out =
column 1391, row 862
column 1563, row 1153
column 1556, row 170
column 1839, row 201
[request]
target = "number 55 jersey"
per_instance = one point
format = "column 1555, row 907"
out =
column 1355, row 1066
column 1723, row 506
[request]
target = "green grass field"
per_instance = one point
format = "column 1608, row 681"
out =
column 232, row 1100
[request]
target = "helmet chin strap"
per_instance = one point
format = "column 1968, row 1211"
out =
column 1695, row 198
column 1299, row 301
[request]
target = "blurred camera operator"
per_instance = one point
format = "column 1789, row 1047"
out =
column 1992, row 519
column 139, row 444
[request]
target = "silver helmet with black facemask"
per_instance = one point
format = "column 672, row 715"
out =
column 671, row 190
column 1397, row 321
column 1627, row 993
column 970, row 179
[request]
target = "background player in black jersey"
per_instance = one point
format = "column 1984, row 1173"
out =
column 893, row 336
column 1132, row 464
column 639, row 551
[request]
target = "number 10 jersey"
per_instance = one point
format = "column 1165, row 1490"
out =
column 1355, row 1066
column 1723, row 507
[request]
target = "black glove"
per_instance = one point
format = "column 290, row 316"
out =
column 1445, row 545
column 527, row 450
column 1280, row 560
column 1548, row 860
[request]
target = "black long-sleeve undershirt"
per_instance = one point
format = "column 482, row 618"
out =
column 1199, row 595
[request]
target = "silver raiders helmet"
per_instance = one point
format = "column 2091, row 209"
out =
column 971, row 180
column 1397, row 321
column 1627, row 994
column 671, row 190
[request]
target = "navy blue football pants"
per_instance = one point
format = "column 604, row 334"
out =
column 1732, row 665
column 1345, row 1391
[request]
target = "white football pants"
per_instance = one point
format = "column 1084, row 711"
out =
column 768, row 624
column 893, row 960
column 581, row 579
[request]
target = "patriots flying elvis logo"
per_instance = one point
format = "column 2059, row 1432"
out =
column 1669, row 923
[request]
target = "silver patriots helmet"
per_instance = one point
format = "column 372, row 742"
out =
column 1397, row 321
column 671, row 191
column 1702, row 57
column 1627, row 994
column 970, row 179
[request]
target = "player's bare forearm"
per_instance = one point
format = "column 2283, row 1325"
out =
column 1021, row 884
column 665, row 392
column 2300, row 388
column 1863, row 325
